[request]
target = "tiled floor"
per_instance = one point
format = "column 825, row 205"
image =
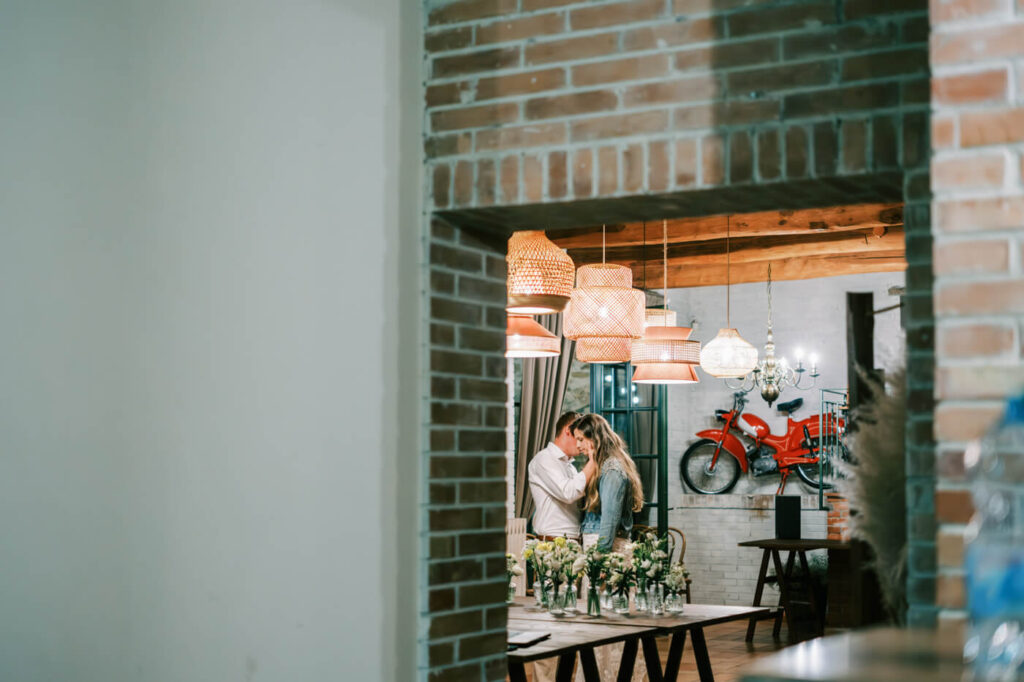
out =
column 728, row 651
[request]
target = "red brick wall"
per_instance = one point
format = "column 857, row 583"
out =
column 977, row 57
column 553, row 100
column 550, row 102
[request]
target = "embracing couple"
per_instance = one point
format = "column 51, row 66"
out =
column 607, row 490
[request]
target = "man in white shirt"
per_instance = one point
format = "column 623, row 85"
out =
column 556, row 486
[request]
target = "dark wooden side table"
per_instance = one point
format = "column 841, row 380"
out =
column 785, row 577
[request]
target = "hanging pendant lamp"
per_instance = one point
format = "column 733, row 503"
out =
column 605, row 313
column 526, row 338
column 540, row 274
column 728, row 355
column 665, row 354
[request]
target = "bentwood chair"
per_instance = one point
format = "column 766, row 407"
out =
column 676, row 547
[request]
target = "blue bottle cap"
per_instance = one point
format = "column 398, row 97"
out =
column 1014, row 410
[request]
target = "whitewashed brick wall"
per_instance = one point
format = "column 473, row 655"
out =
column 722, row 572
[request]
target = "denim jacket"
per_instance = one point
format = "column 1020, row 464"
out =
column 615, row 516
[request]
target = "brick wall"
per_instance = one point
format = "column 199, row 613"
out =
column 551, row 100
column 464, row 501
column 557, row 103
column 723, row 573
column 977, row 57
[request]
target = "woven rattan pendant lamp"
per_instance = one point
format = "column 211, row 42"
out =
column 665, row 354
column 540, row 274
column 526, row 338
column 728, row 355
column 605, row 313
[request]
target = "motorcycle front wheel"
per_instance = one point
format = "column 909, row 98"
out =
column 695, row 467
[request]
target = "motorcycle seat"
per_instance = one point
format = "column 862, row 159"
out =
column 791, row 406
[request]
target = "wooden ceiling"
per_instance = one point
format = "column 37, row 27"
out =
column 800, row 244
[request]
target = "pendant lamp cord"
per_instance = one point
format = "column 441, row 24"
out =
column 643, row 257
column 602, row 244
column 664, row 269
column 727, row 268
column 769, row 294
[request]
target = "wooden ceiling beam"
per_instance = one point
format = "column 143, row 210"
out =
column 747, row 250
column 766, row 223
column 681, row 276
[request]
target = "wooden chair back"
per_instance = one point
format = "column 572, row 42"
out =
column 515, row 538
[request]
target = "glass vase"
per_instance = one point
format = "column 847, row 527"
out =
column 538, row 594
column 511, row 592
column 593, row 602
column 571, row 600
column 674, row 602
column 606, row 599
column 640, row 599
column 656, row 599
column 620, row 603
column 555, row 600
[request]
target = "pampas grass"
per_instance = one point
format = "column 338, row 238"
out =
column 875, row 484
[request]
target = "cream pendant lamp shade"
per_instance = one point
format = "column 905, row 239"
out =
column 525, row 338
column 605, row 313
column 664, row 346
column 539, row 274
column 728, row 355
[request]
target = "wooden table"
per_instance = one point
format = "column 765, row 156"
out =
column 693, row 620
column 785, row 577
column 878, row 655
column 569, row 638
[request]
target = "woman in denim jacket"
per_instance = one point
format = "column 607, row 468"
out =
column 609, row 499
column 612, row 496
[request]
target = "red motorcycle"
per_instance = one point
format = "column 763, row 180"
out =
column 712, row 465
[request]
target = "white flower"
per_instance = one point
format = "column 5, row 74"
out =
column 579, row 565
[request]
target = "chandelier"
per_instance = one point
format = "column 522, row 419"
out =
column 771, row 376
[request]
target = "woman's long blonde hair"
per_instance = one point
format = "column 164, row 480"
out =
column 607, row 445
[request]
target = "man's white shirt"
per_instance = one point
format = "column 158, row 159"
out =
column 556, row 486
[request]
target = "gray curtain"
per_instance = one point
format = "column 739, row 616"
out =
column 544, row 382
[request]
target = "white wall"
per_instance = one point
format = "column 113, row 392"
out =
column 208, row 248
column 722, row 572
column 806, row 313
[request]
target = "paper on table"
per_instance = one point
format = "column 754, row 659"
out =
column 526, row 637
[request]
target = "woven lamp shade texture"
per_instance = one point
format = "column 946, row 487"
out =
column 603, row 349
column 728, row 355
column 540, row 274
column 605, row 304
column 525, row 338
column 666, row 345
column 665, row 373
column 659, row 317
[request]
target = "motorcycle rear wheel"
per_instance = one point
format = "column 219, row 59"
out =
column 810, row 473
column 694, row 468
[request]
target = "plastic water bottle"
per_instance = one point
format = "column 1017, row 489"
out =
column 995, row 550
